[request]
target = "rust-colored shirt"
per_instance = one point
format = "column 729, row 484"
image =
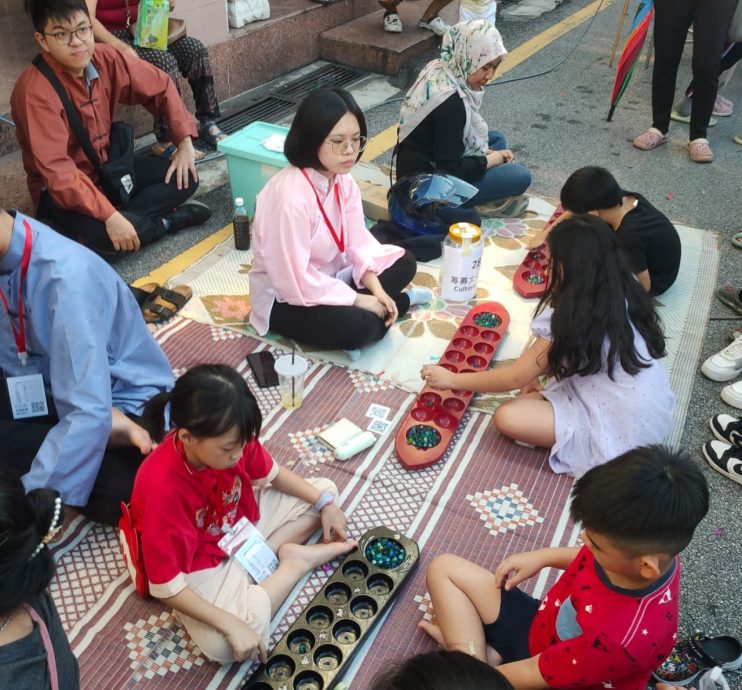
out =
column 52, row 156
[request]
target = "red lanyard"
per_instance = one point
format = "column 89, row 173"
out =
column 20, row 333
column 339, row 241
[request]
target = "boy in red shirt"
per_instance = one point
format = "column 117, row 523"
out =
column 611, row 618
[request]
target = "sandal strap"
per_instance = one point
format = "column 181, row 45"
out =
column 176, row 298
column 160, row 310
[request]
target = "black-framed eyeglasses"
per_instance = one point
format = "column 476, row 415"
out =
column 83, row 33
column 340, row 145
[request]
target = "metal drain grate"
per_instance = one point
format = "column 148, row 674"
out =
column 276, row 103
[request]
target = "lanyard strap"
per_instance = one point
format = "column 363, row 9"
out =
column 339, row 241
column 51, row 659
column 20, row 333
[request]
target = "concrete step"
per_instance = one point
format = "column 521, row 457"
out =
column 364, row 44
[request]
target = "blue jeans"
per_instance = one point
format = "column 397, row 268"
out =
column 508, row 179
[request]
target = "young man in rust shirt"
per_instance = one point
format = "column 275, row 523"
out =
column 61, row 178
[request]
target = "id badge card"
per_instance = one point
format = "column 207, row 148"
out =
column 247, row 546
column 345, row 274
column 26, row 392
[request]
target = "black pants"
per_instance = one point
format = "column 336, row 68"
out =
column 711, row 20
column 730, row 58
column 344, row 328
column 21, row 440
column 189, row 57
column 150, row 200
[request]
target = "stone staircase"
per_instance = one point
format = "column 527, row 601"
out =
column 349, row 32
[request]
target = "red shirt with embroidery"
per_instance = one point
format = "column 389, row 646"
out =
column 591, row 634
column 180, row 511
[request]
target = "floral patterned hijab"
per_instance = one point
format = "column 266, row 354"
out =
column 467, row 46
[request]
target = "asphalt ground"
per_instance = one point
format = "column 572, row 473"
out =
column 557, row 123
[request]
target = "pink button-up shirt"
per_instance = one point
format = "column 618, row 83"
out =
column 295, row 258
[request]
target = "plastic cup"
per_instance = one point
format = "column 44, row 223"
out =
column 291, row 380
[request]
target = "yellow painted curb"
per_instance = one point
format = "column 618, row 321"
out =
column 185, row 259
column 385, row 140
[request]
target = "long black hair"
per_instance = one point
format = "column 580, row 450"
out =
column 441, row 670
column 25, row 520
column 208, row 400
column 595, row 297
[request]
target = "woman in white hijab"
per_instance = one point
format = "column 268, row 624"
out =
column 441, row 129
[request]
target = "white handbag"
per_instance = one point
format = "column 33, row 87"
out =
column 241, row 12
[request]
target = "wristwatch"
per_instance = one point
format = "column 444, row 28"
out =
column 323, row 501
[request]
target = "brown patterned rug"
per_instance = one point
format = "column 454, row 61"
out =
column 487, row 498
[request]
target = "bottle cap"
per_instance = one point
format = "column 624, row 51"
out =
column 239, row 201
column 460, row 232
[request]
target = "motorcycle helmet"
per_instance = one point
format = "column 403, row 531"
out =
column 416, row 202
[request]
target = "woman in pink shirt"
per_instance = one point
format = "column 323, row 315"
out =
column 318, row 275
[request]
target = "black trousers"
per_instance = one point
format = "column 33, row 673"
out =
column 21, row 440
column 344, row 328
column 711, row 20
column 729, row 59
column 151, row 199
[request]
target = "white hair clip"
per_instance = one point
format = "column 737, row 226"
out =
column 54, row 528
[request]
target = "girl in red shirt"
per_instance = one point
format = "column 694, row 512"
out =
column 205, row 475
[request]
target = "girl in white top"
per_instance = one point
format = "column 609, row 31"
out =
column 598, row 339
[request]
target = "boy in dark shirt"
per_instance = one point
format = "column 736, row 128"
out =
column 611, row 617
column 648, row 237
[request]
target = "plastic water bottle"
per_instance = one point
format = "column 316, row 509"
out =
column 241, row 225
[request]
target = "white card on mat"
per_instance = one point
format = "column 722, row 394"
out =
column 378, row 411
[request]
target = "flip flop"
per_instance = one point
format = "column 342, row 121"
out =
column 730, row 295
column 210, row 133
column 162, row 151
column 164, row 303
column 679, row 117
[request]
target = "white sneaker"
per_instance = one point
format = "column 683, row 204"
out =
column 726, row 364
column 732, row 394
column 436, row 25
column 392, row 23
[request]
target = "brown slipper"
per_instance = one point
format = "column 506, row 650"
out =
column 164, row 303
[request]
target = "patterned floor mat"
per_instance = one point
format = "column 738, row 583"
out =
column 487, row 498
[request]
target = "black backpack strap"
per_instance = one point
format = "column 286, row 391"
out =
column 73, row 117
column 395, row 151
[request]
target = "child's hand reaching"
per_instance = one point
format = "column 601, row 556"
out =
column 334, row 524
column 518, row 567
column 436, row 376
column 245, row 642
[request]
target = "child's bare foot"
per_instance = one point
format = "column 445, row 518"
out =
column 307, row 557
column 433, row 630
column 125, row 432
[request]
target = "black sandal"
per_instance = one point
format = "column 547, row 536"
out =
column 164, row 303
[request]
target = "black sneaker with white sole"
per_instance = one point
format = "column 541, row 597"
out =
column 187, row 215
column 727, row 428
column 725, row 459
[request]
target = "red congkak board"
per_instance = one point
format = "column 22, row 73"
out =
column 428, row 428
column 529, row 280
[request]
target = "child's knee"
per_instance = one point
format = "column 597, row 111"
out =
column 440, row 568
column 505, row 419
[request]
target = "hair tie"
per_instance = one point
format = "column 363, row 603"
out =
column 53, row 528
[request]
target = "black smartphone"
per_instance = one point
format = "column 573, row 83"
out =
column 262, row 365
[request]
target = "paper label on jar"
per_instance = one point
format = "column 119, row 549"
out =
column 459, row 272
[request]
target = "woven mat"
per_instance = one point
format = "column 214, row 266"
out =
column 487, row 498
column 220, row 297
